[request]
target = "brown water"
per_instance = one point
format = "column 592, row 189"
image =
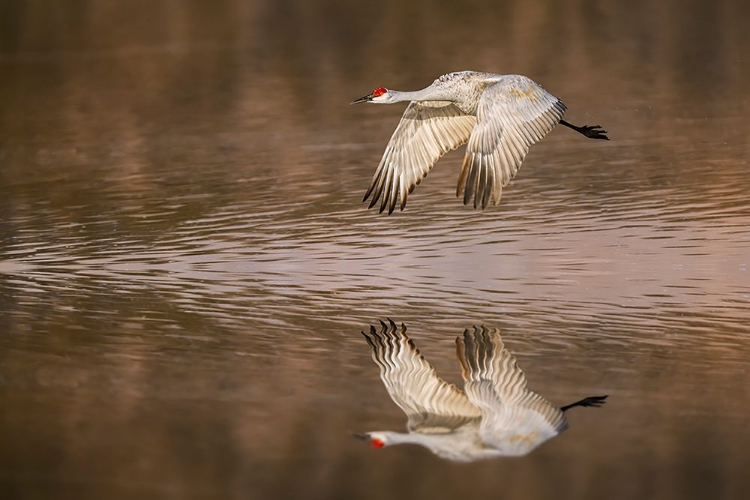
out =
column 185, row 264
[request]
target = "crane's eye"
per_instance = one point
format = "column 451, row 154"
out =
column 377, row 443
column 378, row 92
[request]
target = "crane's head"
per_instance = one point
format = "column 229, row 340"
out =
column 376, row 439
column 377, row 96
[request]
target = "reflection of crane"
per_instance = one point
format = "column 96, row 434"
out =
column 500, row 116
column 495, row 416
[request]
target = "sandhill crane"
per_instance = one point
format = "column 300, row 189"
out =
column 495, row 416
column 499, row 116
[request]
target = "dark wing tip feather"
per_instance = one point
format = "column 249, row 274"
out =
column 375, row 189
column 394, row 195
column 372, row 201
column 387, row 328
column 461, row 355
column 368, row 193
column 370, row 337
column 390, row 330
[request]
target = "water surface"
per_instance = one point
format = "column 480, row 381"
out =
column 185, row 262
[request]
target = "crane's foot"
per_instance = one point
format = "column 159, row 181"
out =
column 595, row 401
column 591, row 401
column 590, row 131
column 594, row 132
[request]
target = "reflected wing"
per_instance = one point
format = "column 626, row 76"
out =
column 426, row 132
column 511, row 413
column 512, row 115
column 432, row 404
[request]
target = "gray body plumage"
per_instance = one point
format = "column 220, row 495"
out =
column 465, row 88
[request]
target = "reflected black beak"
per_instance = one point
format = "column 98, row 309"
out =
column 366, row 98
column 361, row 435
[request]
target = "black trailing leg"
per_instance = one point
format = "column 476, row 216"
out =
column 590, row 131
column 595, row 401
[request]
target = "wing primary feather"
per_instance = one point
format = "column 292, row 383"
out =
column 471, row 182
column 394, row 194
column 462, row 176
column 386, row 189
column 479, row 168
column 490, row 188
column 481, row 182
column 377, row 188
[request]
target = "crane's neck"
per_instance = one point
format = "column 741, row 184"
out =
column 428, row 440
column 462, row 445
column 426, row 94
column 397, row 437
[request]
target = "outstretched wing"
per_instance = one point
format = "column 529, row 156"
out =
column 513, row 114
column 432, row 404
column 426, row 132
column 512, row 415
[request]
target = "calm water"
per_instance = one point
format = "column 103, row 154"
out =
column 185, row 262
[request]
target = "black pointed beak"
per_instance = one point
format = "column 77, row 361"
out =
column 361, row 435
column 366, row 98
